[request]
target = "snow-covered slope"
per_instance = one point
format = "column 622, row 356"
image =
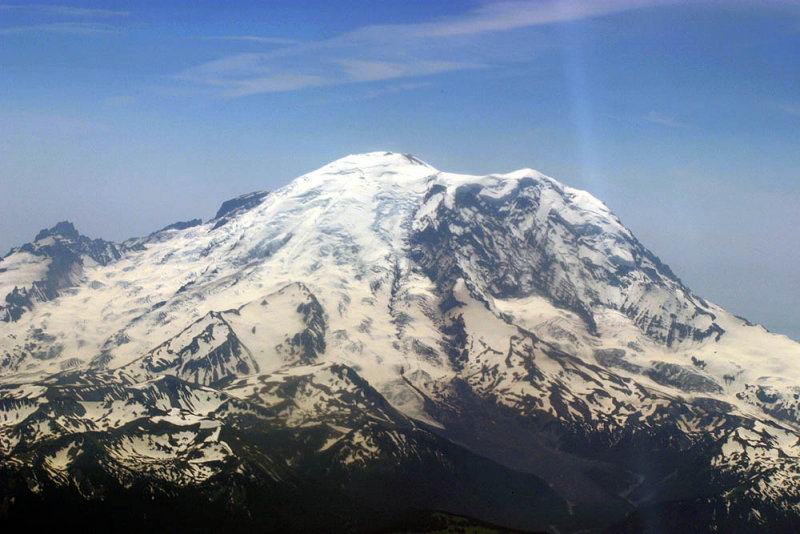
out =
column 507, row 313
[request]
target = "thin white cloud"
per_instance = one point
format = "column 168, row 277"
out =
column 395, row 51
column 393, row 89
column 250, row 38
column 216, row 72
column 655, row 117
column 64, row 11
column 790, row 109
column 370, row 92
column 504, row 16
column 277, row 83
column 367, row 71
column 51, row 125
column 118, row 101
column 69, row 28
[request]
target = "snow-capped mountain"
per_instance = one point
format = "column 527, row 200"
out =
column 495, row 346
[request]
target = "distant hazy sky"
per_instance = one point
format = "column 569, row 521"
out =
column 684, row 117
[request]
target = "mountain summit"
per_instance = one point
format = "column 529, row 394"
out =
column 498, row 346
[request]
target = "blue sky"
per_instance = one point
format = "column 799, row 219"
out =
column 684, row 117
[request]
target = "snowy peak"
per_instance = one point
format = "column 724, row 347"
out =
column 370, row 160
column 64, row 238
column 64, row 229
column 230, row 208
column 39, row 271
column 380, row 170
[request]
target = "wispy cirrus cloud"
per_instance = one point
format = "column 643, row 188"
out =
column 504, row 16
column 662, row 119
column 118, row 101
column 393, row 89
column 50, row 124
column 367, row 71
column 789, row 109
column 395, row 51
column 250, row 38
column 69, row 28
column 63, row 11
column 42, row 18
column 276, row 83
column 248, row 82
